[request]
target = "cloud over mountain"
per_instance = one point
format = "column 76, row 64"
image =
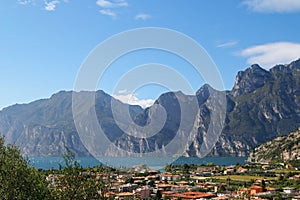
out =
column 268, row 55
column 132, row 99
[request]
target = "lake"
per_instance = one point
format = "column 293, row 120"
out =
column 154, row 163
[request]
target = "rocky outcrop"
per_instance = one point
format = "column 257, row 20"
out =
column 283, row 148
column 250, row 80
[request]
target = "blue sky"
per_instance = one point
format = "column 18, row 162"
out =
column 44, row 42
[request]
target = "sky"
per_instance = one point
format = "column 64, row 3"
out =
column 43, row 43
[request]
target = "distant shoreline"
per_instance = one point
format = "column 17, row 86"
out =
column 53, row 162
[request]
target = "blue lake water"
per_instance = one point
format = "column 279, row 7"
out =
column 155, row 163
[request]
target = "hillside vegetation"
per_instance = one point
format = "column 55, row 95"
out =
column 283, row 148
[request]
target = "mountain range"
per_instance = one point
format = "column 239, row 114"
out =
column 262, row 105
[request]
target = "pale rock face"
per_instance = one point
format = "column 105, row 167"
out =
column 261, row 106
column 249, row 80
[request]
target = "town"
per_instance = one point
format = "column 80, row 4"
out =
column 240, row 181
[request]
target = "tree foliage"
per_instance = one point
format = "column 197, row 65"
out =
column 73, row 183
column 18, row 180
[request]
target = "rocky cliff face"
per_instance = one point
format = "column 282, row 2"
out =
column 250, row 80
column 261, row 106
column 283, row 148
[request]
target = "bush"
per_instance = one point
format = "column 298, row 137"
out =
column 17, row 178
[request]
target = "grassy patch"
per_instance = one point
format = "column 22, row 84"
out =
column 245, row 178
column 286, row 171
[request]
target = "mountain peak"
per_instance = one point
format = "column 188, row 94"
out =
column 203, row 93
column 288, row 68
column 295, row 64
column 206, row 86
column 60, row 94
column 255, row 67
column 168, row 96
column 249, row 80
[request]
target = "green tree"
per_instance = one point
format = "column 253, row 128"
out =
column 221, row 188
column 73, row 183
column 280, row 178
column 185, row 168
column 19, row 180
column 129, row 179
column 263, row 185
column 168, row 168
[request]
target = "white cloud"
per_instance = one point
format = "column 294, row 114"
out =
column 227, row 44
column 108, row 12
column 268, row 55
column 142, row 16
column 51, row 6
column 131, row 99
column 48, row 5
column 25, row 2
column 111, row 4
column 123, row 91
column 269, row 6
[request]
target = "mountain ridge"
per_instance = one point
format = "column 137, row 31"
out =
column 262, row 105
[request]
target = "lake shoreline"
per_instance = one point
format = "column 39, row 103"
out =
column 155, row 163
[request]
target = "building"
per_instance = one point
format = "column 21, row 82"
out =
column 124, row 195
column 127, row 187
column 170, row 177
column 271, row 190
column 142, row 193
column 289, row 190
column 255, row 189
column 191, row 195
column 167, row 176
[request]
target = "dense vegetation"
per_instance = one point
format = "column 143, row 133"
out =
column 280, row 149
column 17, row 178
